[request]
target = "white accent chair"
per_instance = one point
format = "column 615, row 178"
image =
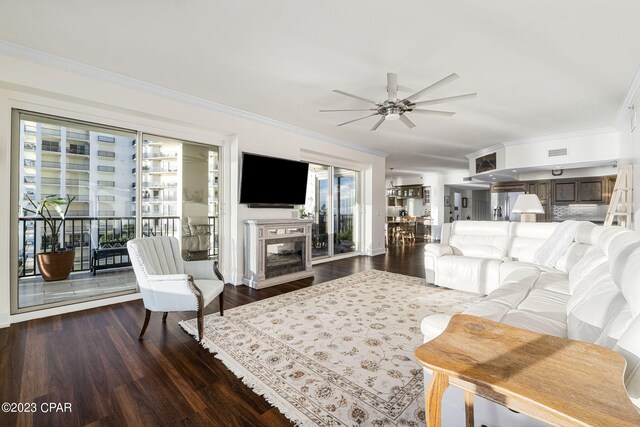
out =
column 168, row 283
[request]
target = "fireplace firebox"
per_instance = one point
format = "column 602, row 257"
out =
column 276, row 251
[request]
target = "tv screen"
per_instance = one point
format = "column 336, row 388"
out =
column 272, row 181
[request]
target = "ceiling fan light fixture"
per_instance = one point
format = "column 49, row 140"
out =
column 392, row 116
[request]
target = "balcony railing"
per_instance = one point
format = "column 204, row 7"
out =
column 52, row 148
column 159, row 154
column 86, row 233
column 53, row 181
column 77, row 166
column 80, row 136
column 74, row 182
column 52, row 132
column 83, row 151
column 47, row 164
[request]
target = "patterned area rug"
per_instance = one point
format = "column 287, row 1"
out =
column 337, row 353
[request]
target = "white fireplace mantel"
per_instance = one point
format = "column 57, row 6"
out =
column 261, row 233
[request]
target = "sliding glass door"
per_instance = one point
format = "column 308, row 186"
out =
column 332, row 203
column 344, row 210
column 112, row 190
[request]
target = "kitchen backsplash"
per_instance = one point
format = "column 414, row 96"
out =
column 580, row 212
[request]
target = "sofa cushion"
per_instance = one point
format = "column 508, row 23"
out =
column 547, row 304
column 535, row 322
column 537, row 276
column 527, row 237
column 465, row 273
column 480, row 239
column 590, row 315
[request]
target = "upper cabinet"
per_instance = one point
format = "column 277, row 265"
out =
column 396, row 196
column 583, row 190
column 565, row 191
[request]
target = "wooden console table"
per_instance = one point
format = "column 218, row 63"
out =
column 556, row 380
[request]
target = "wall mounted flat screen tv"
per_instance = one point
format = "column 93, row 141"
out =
column 272, row 182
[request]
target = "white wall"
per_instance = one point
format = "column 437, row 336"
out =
column 80, row 92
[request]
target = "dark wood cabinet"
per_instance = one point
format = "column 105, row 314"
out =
column 591, row 190
column 565, row 192
column 583, row 190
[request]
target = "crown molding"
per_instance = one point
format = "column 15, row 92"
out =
column 22, row 52
column 628, row 100
column 484, row 151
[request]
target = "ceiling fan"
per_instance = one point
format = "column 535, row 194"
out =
column 396, row 109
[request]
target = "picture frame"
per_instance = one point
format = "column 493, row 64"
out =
column 465, row 201
column 447, row 200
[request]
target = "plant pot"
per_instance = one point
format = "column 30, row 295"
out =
column 55, row 265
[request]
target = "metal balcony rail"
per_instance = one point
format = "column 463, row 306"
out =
column 75, row 182
column 78, row 150
column 107, row 139
column 103, row 153
column 55, row 181
column 77, row 166
column 81, row 136
column 46, row 164
column 52, row 148
column 83, row 234
column 53, row 132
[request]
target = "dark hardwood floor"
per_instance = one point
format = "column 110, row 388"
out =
column 93, row 360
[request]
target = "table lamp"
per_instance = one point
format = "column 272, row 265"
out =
column 527, row 205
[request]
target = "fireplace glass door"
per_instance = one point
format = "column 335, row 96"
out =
column 284, row 256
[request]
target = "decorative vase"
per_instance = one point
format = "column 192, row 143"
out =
column 55, row 265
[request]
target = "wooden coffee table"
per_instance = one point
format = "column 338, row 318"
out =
column 556, row 380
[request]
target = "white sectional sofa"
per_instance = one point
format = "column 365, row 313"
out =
column 591, row 294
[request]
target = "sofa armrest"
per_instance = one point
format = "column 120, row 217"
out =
column 438, row 249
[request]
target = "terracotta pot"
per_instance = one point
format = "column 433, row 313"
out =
column 55, row 265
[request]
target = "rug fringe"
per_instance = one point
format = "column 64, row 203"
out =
column 239, row 371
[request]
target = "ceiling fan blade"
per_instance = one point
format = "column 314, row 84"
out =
column 404, row 119
column 392, row 86
column 341, row 92
column 355, row 120
column 447, row 99
column 451, row 77
column 378, row 123
column 361, row 109
column 434, row 112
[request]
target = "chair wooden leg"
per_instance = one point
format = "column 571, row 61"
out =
column 221, row 301
column 147, row 316
column 200, row 324
column 164, row 317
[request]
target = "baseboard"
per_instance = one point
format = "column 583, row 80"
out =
column 37, row 314
column 379, row 251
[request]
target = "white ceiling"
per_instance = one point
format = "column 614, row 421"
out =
column 540, row 67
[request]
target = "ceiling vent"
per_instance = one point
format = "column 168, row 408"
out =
column 558, row 152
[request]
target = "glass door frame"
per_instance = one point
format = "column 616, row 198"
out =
column 357, row 229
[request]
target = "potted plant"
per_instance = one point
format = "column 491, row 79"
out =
column 54, row 263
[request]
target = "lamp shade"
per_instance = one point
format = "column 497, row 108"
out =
column 528, row 203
